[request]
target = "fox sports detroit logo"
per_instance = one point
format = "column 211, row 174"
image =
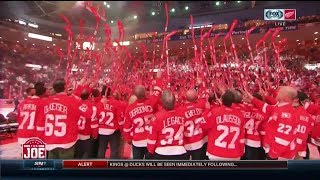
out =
column 273, row 14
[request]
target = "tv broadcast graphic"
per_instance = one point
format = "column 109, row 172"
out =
column 280, row 14
column 159, row 89
column 34, row 148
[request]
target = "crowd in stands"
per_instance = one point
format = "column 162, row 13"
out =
column 16, row 75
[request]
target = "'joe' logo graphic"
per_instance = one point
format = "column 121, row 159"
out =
column 34, row 148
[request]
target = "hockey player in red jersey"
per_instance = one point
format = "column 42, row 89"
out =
column 253, row 139
column 281, row 127
column 28, row 112
column 138, row 117
column 88, row 124
column 122, row 108
column 225, row 126
column 314, row 110
column 59, row 123
column 109, row 127
column 195, row 141
column 96, row 100
column 304, row 127
column 165, row 140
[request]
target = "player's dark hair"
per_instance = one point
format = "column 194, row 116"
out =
column 95, row 93
column 302, row 97
column 85, row 95
column 59, row 85
column 227, row 98
column 258, row 96
column 108, row 92
column 103, row 90
column 40, row 89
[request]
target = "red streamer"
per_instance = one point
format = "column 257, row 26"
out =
column 70, row 33
column 248, row 42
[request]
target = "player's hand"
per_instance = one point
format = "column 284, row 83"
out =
column 93, row 85
column 221, row 88
column 83, row 81
column 199, row 81
column 247, row 97
column 262, row 92
column 219, row 101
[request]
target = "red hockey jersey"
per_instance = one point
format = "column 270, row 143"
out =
column 253, row 118
column 27, row 115
column 304, row 127
column 121, row 107
column 166, row 133
column 194, row 137
column 60, row 115
column 109, row 116
column 241, row 107
column 138, row 117
column 225, row 133
column 87, row 121
column 280, row 129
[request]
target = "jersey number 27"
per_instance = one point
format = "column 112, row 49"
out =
column 226, row 131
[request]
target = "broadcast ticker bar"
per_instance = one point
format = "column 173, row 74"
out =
column 151, row 164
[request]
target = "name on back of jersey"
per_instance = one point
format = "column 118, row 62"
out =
column 193, row 112
column 140, row 110
column 108, row 107
column 56, row 107
column 253, row 115
column 83, row 107
column 173, row 121
column 228, row 119
column 28, row 107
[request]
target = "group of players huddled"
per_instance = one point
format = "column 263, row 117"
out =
column 231, row 126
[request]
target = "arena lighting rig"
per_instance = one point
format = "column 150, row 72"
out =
column 40, row 37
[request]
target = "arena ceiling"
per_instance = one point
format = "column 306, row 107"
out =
column 47, row 13
column 116, row 10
